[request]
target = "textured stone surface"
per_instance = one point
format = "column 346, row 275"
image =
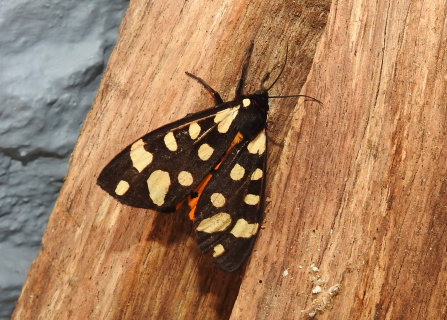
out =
column 52, row 54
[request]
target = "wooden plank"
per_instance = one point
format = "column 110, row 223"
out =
column 104, row 260
column 360, row 189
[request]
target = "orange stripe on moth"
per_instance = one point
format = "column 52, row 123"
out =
column 192, row 202
column 238, row 138
column 179, row 204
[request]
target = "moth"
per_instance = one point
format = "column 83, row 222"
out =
column 216, row 159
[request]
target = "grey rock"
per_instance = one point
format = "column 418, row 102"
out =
column 53, row 54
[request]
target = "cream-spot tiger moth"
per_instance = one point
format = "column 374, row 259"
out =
column 216, row 158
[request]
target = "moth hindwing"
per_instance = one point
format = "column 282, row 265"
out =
column 216, row 158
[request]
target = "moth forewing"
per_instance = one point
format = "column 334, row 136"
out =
column 160, row 169
column 229, row 210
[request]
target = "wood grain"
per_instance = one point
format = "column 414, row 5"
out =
column 357, row 187
column 360, row 189
column 104, row 260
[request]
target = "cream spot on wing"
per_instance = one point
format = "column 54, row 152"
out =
column 194, row 130
column 246, row 103
column 158, row 184
column 237, row 172
column 205, row 151
column 243, row 229
column 185, row 178
column 216, row 223
column 225, row 118
column 217, row 199
column 251, row 199
column 170, row 141
column 139, row 156
column 257, row 174
column 122, row 187
column 225, row 113
column 258, row 144
column 218, row 250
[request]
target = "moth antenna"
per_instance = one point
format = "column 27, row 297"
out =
column 296, row 95
column 241, row 81
column 266, row 77
column 279, row 75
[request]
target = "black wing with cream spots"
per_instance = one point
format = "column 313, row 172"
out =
column 219, row 155
column 160, row 169
column 229, row 212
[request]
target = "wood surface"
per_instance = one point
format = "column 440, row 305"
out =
column 356, row 198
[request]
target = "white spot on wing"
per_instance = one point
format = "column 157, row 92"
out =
column 194, row 130
column 246, row 103
column 185, row 178
column 218, row 250
column 237, row 172
column 251, row 199
column 122, row 187
column 257, row 145
column 158, row 184
column 205, row 151
column 243, row 229
column 170, row 141
column 257, row 174
column 139, row 156
column 225, row 118
column 216, row 223
column 217, row 199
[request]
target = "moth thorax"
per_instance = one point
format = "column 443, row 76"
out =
column 257, row 122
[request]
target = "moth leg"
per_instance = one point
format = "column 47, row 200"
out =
column 216, row 96
column 240, row 83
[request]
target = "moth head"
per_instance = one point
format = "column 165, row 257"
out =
column 262, row 96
